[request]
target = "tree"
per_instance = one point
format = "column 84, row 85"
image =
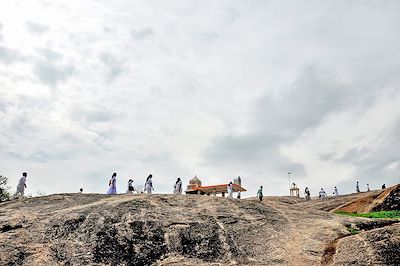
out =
column 4, row 193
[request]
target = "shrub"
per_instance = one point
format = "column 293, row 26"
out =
column 4, row 193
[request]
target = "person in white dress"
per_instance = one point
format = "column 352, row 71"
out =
column 230, row 190
column 322, row 194
column 112, row 185
column 21, row 186
column 178, row 186
column 335, row 192
column 148, row 186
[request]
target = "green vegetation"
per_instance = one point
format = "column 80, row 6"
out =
column 381, row 214
column 4, row 194
column 353, row 231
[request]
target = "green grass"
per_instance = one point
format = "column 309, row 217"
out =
column 353, row 231
column 381, row 214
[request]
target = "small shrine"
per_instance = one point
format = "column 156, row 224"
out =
column 195, row 187
column 294, row 191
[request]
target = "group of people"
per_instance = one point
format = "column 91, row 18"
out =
column 148, row 186
column 322, row 194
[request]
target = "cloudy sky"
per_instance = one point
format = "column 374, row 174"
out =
column 215, row 89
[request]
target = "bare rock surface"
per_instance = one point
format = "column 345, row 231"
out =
column 93, row 229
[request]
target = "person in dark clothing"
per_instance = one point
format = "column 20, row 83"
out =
column 260, row 193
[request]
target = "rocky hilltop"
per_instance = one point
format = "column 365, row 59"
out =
column 93, row 229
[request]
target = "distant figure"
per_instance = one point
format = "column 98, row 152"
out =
column 81, row 190
column 130, row 187
column 21, row 186
column 238, row 196
column 357, row 187
column 368, row 187
column 148, row 186
column 322, row 194
column 335, row 192
column 178, row 186
column 383, row 186
column 229, row 188
column 260, row 193
column 112, row 185
column 307, row 194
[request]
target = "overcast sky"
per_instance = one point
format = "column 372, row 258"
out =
column 215, row 89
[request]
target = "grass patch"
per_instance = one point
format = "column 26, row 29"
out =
column 381, row 214
column 353, row 231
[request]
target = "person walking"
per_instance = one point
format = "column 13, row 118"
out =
column 322, row 194
column 335, row 192
column 307, row 194
column 148, row 186
column 178, row 186
column 357, row 187
column 130, row 187
column 229, row 189
column 112, row 190
column 21, row 186
column 260, row 193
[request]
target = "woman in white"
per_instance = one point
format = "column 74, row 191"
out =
column 148, row 186
column 112, row 184
column 230, row 190
column 178, row 186
column 322, row 194
column 335, row 192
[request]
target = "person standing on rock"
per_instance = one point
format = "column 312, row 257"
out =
column 229, row 188
column 260, row 193
column 383, row 186
column 307, row 194
column 112, row 190
column 357, row 187
column 21, row 186
column 322, row 194
column 178, row 186
column 130, row 187
column 335, row 192
column 148, row 186
column 368, row 187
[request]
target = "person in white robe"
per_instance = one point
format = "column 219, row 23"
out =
column 322, row 194
column 178, row 186
column 307, row 194
column 230, row 190
column 149, row 184
column 21, row 186
column 112, row 184
column 335, row 192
